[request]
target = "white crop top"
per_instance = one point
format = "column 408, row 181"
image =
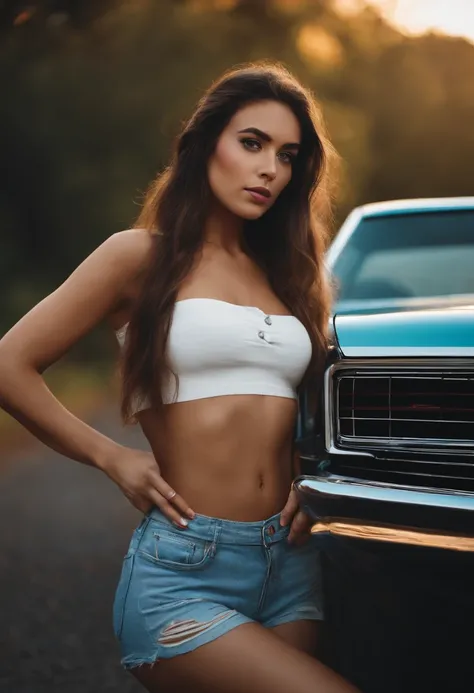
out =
column 219, row 348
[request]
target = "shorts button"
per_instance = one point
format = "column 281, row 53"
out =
column 261, row 334
column 268, row 320
column 271, row 530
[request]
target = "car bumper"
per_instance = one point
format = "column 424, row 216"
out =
column 399, row 514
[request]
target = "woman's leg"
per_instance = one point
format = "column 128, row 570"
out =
column 249, row 658
column 304, row 635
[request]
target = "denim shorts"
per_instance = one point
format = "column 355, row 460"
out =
column 180, row 589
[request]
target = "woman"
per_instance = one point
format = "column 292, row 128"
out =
column 219, row 299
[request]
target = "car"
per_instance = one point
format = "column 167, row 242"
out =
column 391, row 452
column 387, row 448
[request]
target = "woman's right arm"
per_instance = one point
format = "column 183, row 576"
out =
column 90, row 294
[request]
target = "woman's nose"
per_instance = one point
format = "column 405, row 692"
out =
column 269, row 169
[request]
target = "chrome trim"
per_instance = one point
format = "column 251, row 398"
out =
column 395, row 535
column 405, row 443
column 413, row 475
column 372, row 494
column 346, row 306
column 351, row 222
column 420, row 204
column 373, row 351
column 345, row 487
column 424, row 364
column 384, row 367
column 329, row 418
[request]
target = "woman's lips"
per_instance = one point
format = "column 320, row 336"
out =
column 260, row 195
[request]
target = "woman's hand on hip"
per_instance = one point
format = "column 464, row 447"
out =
column 299, row 521
column 137, row 474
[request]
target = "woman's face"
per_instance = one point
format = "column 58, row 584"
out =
column 252, row 161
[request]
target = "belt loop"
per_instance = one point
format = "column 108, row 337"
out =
column 144, row 521
column 139, row 531
column 216, row 532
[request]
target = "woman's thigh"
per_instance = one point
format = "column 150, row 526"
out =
column 304, row 635
column 247, row 658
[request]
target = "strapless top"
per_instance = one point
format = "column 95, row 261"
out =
column 219, row 348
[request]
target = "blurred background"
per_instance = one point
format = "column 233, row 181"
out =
column 93, row 92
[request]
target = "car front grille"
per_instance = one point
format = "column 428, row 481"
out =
column 407, row 426
column 380, row 409
column 438, row 471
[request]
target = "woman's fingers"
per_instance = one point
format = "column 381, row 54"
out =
column 172, row 497
column 299, row 520
column 167, row 509
column 290, row 509
column 144, row 486
column 141, row 503
column 167, row 500
column 299, row 531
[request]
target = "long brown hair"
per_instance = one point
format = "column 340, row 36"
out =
column 288, row 241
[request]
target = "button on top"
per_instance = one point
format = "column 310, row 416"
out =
column 268, row 320
column 261, row 334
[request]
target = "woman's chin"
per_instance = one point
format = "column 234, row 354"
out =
column 252, row 213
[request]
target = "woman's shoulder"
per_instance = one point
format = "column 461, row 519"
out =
column 131, row 249
column 130, row 252
column 135, row 240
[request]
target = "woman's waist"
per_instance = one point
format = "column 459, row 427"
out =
column 225, row 427
column 233, row 487
column 239, row 409
column 227, row 457
column 222, row 530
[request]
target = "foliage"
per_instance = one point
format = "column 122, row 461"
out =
column 94, row 91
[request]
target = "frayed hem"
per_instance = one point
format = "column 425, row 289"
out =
column 296, row 616
column 136, row 664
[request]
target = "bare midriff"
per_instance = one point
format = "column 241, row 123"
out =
column 228, row 457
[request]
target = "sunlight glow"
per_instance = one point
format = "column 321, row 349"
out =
column 453, row 17
column 318, row 46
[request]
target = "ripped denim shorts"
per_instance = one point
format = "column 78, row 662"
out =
column 180, row 589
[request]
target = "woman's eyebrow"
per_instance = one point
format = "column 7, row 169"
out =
column 264, row 136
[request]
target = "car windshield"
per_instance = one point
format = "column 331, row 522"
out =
column 408, row 256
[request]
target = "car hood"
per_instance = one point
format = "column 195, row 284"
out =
column 446, row 329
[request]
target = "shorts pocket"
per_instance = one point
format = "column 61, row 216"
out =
column 169, row 549
column 121, row 594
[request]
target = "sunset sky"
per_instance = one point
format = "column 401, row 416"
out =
column 455, row 17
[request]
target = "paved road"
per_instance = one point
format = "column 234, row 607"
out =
column 64, row 530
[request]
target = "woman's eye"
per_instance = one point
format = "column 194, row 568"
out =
column 254, row 145
column 250, row 143
column 286, row 157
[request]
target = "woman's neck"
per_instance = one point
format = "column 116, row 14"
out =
column 224, row 229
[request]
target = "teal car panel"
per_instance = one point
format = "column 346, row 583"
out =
column 392, row 434
column 446, row 332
